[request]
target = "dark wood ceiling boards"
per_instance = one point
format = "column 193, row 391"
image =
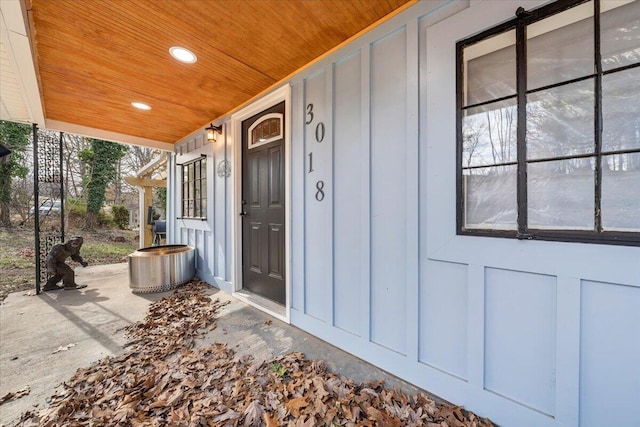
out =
column 97, row 56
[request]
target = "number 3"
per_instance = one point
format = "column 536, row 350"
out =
column 309, row 113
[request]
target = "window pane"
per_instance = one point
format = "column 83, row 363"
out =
column 561, row 194
column 490, row 197
column 560, row 121
column 196, row 170
column 191, row 172
column 274, row 127
column 620, row 34
column 203, row 207
column 203, row 164
column 490, row 69
column 489, row 134
column 560, row 47
column 621, row 110
column 620, row 194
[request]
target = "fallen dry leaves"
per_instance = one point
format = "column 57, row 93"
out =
column 163, row 380
column 12, row 395
column 64, row 348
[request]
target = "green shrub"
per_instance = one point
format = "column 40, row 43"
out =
column 105, row 219
column 120, row 216
column 76, row 211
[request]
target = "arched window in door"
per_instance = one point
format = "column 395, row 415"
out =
column 269, row 128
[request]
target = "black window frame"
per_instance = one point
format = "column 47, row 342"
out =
column 519, row 23
column 188, row 187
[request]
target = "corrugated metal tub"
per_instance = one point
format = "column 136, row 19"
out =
column 161, row 268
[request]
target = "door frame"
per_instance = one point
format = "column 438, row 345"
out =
column 281, row 94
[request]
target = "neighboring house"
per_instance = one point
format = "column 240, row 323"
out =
column 451, row 196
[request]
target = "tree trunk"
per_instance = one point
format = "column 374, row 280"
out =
column 5, row 198
column 91, row 222
column 5, row 219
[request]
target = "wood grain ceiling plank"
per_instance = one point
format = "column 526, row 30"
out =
column 103, row 106
column 278, row 37
column 147, row 61
column 108, row 53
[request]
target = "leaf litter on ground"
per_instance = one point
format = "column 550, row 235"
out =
column 163, row 379
column 12, row 395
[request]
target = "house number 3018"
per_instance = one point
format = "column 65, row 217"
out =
column 319, row 134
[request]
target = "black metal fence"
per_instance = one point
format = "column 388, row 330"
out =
column 48, row 190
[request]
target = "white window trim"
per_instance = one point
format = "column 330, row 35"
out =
column 250, row 143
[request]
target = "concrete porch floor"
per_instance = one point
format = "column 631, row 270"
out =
column 33, row 327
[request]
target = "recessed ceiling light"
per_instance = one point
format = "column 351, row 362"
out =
column 183, row 55
column 141, row 105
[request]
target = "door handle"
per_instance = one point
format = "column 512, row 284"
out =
column 243, row 212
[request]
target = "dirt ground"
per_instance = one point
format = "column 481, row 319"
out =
column 17, row 253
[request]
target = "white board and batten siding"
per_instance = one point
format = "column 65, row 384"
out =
column 211, row 236
column 529, row 333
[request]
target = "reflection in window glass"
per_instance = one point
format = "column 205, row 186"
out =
column 560, row 194
column 620, row 192
column 490, row 69
column 560, row 48
column 194, row 184
column 489, row 134
column 621, row 110
column 267, row 129
column 560, row 121
column 620, row 29
column 581, row 123
column 490, row 197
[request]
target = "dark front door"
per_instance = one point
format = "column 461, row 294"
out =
column 263, row 192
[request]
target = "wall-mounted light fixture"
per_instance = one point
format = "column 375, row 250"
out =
column 211, row 132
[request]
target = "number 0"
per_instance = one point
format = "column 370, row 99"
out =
column 320, row 132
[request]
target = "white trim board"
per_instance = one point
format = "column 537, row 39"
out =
column 107, row 135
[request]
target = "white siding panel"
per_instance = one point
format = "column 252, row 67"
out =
column 443, row 317
column 610, row 355
column 520, row 336
column 228, row 207
column 298, row 163
column 388, row 190
column 318, row 221
column 348, row 195
column 198, row 238
column 218, row 213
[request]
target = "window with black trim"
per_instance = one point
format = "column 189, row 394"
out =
column 194, row 189
column 548, row 116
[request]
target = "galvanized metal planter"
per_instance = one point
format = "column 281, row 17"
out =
column 161, row 268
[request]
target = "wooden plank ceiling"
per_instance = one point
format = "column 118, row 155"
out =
column 95, row 57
